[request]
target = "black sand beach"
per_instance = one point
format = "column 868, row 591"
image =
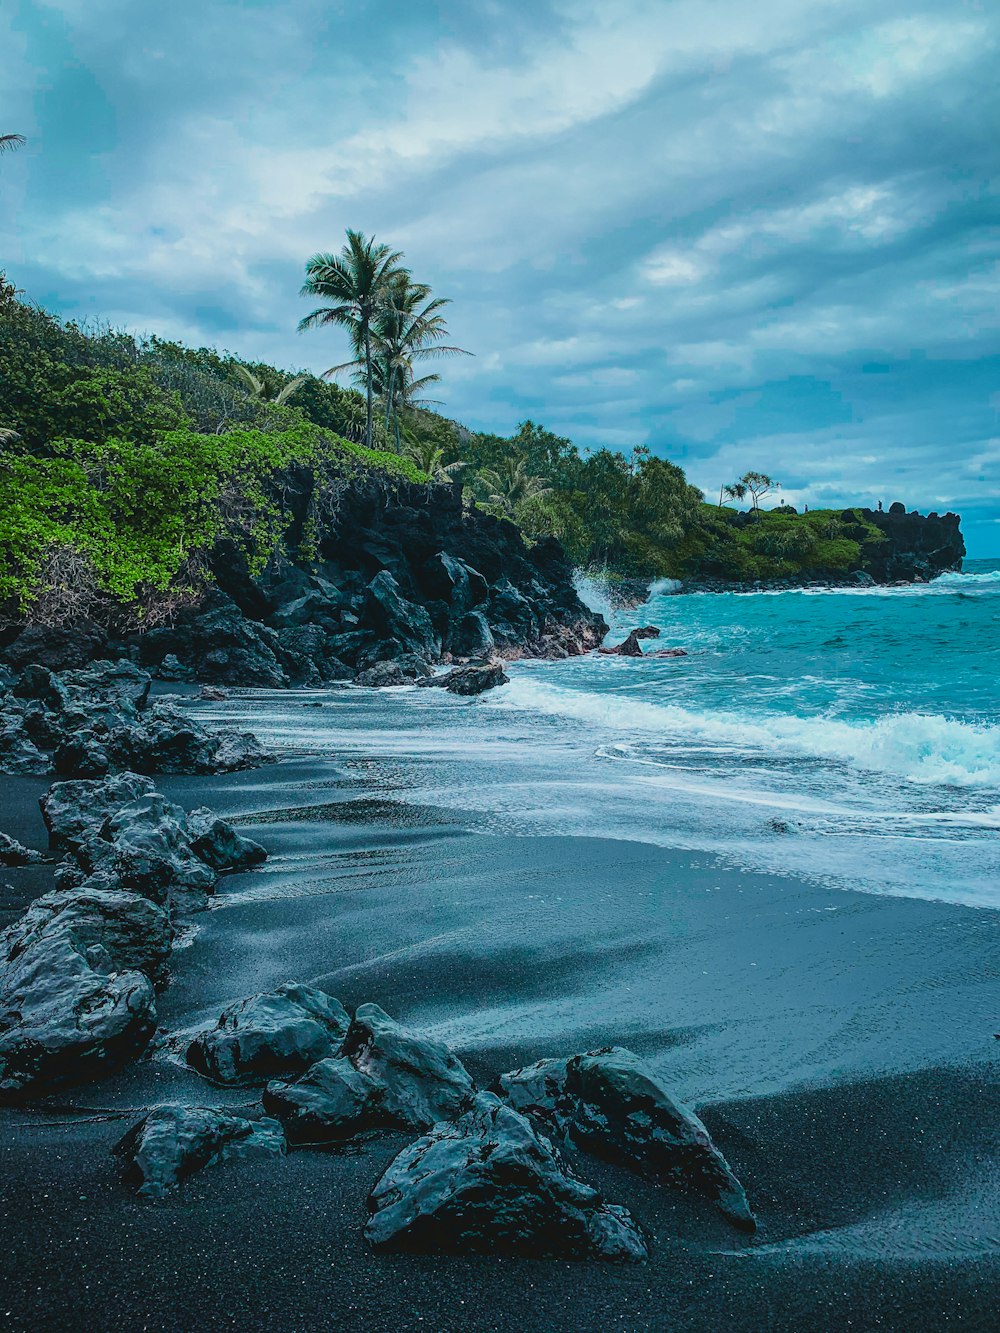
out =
column 840, row 1047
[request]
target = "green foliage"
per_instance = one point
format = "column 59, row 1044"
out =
column 142, row 512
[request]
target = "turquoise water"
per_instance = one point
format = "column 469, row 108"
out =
column 857, row 719
column 850, row 736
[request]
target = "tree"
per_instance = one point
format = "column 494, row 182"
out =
column 429, row 458
column 510, row 485
column 259, row 387
column 408, row 327
column 356, row 282
column 8, row 142
column 755, row 484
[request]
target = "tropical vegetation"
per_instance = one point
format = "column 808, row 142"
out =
column 125, row 459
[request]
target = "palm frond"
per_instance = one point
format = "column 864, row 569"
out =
column 8, row 142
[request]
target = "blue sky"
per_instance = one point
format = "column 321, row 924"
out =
column 748, row 235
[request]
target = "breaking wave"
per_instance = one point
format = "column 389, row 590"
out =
column 916, row 747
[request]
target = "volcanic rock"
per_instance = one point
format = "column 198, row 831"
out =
column 490, row 1184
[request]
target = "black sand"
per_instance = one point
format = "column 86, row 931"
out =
column 839, row 1045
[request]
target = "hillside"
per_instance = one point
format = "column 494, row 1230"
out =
column 140, row 474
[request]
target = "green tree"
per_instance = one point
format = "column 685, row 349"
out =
column 356, row 283
column 429, row 457
column 755, row 484
column 8, row 142
column 409, row 327
column 511, row 485
column 259, row 387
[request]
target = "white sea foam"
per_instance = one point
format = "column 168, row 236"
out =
column 917, row 747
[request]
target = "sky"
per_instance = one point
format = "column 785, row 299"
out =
column 746, row 235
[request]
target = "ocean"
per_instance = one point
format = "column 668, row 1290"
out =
column 849, row 736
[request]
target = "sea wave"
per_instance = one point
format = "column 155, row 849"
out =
column 917, row 747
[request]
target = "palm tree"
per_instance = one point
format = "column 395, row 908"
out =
column 355, row 281
column 8, row 142
column 511, row 484
column 429, row 458
column 259, row 388
column 408, row 327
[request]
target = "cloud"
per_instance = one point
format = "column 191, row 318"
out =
column 746, row 235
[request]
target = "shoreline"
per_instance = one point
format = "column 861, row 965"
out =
column 871, row 1179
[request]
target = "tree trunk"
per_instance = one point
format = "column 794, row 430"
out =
column 368, row 374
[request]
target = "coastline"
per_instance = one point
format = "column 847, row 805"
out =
column 838, row 1045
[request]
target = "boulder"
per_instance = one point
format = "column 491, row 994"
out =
column 217, row 843
column 145, row 847
column 72, row 646
column 219, row 645
column 19, row 755
column 470, row 680
column 330, row 1102
column 66, row 1016
column 390, row 615
column 489, row 1184
column 122, row 681
column 471, row 636
column 73, row 810
column 173, row 1142
column 453, row 581
column 611, row 1104
column 133, row 932
column 420, row 1080
column 273, row 1035
column 631, row 647
column 12, row 853
column 382, row 676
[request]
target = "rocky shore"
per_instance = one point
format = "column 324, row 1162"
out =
column 391, row 580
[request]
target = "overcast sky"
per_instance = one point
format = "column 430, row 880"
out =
column 746, row 234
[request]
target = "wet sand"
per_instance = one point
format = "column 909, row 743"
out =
column 839, row 1045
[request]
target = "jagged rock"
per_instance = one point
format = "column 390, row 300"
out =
column 331, row 1101
column 382, row 676
column 489, row 1184
column 73, row 810
column 122, row 681
column 12, row 853
column 276, row 1034
column 468, row 680
column 421, row 1081
column 612, row 1105
column 217, row 643
column 511, row 616
column 19, row 755
column 66, row 1016
column 173, row 1142
column 145, row 847
column 57, row 649
column 471, row 637
column 217, row 843
column 39, row 683
column 134, row 933
column 631, row 647
column 390, row 615
column 453, row 581
column 172, row 669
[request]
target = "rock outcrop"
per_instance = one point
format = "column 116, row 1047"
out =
column 99, row 720
column 490, row 1184
column 173, row 1142
column 79, row 970
column 279, row 1033
column 398, row 572
column 420, row 1080
column 609, row 1103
